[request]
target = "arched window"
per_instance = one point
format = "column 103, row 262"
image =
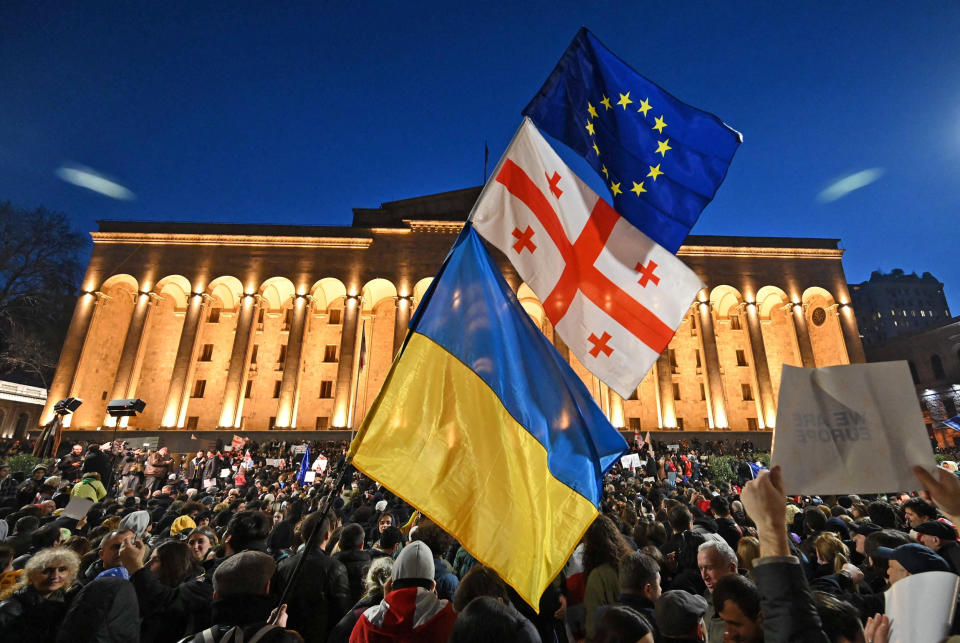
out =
column 913, row 372
column 937, row 366
column 21, row 430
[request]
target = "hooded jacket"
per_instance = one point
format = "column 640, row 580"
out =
column 408, row 615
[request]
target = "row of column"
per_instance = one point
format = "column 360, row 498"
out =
column 178, row 392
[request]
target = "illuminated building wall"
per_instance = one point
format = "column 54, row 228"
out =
column 260, row 326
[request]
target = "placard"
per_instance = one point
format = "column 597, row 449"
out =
column 77, row 508
column 846, row 429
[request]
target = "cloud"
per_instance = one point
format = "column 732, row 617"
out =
column 85, row 177
column 846, row 185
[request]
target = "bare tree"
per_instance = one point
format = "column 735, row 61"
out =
column 39, row 273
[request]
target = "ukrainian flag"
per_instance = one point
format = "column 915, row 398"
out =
column 483, row 427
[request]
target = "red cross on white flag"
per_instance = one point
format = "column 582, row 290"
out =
column 614, row 296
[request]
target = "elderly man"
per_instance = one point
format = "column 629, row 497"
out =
column 715, row 559
column 941, row 538
column 108, row 556
column 156, row 469
column 909, row 559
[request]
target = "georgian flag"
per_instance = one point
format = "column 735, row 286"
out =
column 614, row 296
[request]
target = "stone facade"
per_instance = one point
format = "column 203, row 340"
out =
column 261, row 326
column 933, row 355
column 20, row 407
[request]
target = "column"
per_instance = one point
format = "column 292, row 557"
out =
column 177, row 393
column 348, row 341
column 239, row 361
column 616, row 409
column 761, row 366
column 851, row 334
column 401, row 321
column 123, row 382
column 65, row 376
column 803, row 336
column 668, row 408
column 291, row 366
column 712, row 366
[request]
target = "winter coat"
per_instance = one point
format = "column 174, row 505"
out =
column 341, row 632
column 104, row 611
column 320, row 597
column 27, row 617
column 409, row 615
column 157, row 465
column 247, row 612
column 357, row 563
column 789, row 611
column 89, row 488
column 603, row 586
column 446, row 580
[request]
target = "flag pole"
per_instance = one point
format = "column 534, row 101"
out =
column 311, row 540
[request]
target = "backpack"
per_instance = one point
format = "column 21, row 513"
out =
column 230, row 634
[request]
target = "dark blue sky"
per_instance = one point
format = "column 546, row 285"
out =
column 296, row 112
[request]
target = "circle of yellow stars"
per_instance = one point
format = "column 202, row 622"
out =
column 659, row 124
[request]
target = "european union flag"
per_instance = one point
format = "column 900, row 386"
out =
column 662, row 159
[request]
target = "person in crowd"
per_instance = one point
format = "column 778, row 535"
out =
column 22, row 536
column 156, row 469
column 28, row 489
column 737, row 601
column 69, row 465
column 391, row 540
column 103, row 611
column 918, row 510
column 941, row 538
column 438, row 541
column 33, row 609
column 604, row 548
column 715, row 559
column 202, row 542
column 89, row 487
column 679, row 617
column 242, row 608
column 748, row 550
column 131, row 470
column 487, row 620
column 97, row 461
column 410, row 610
column 727, row 527
column 321, row 575
column 909, row 559
column 639, row 579
column 620, row 624
column 194, row 471
column 172, row 563
column 377, row 576
column 354, row 558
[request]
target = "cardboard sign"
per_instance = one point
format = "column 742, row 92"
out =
column 309, row 477
column 630, row 461
column 77, row 508
column 855, row 428
column 320, row 464
column 298, row 449
column 274, row 462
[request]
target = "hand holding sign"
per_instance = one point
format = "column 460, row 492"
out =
column 849, row 429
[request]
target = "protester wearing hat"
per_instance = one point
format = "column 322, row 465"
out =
column 182, row 523
column 941, row 538
column 907, row 560
column 410, row 610
column 8, row 484
column 29, row 488
column 679, row 616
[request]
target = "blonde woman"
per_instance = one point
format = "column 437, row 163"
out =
column 748, row 550
column 832, row 554
column 33, row 609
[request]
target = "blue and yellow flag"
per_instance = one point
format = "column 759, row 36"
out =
column 483, row 427
column 662, row 159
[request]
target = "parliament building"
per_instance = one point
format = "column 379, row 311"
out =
column 262, row 327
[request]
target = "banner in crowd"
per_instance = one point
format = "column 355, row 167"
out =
column 855, row 428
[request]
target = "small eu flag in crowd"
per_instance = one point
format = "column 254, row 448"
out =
column 662, row 159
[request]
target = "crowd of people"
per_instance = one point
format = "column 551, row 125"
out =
column 215, row 545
